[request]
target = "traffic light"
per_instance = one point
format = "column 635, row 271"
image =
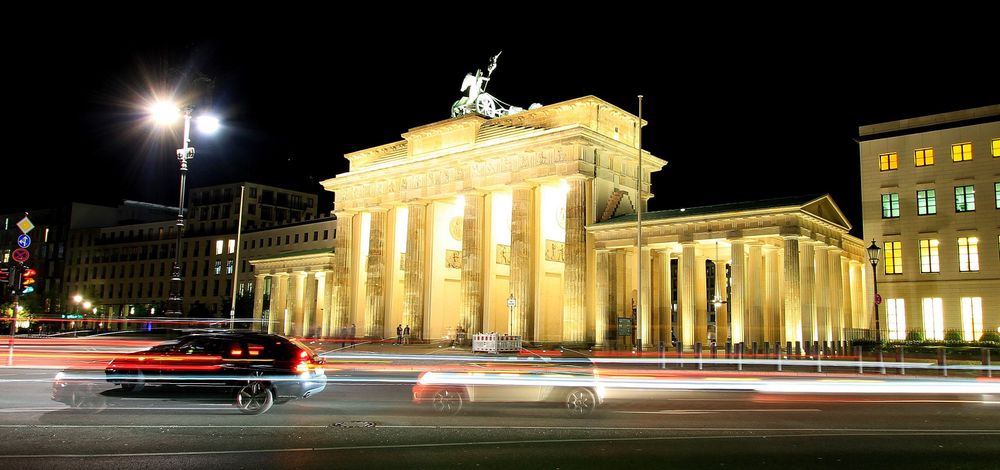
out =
column 4, row 274
column 27, row 279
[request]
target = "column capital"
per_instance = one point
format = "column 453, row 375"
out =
column 577, row 176
column 378, row 209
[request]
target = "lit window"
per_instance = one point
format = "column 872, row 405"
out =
column 968, row 254
column 893, row 258
column 896, row 316
column 996, row 188
column 923, row 157
column 965, row 198
column 890, row 206
column 996, row 148
column 933, row 318
column 961, row 152
column 229, row 266
column 929, row 261
column 926, row 202
column 972, row 318
column 218, row 247
column 232, row 246
column 888, row 161
column 218, row 266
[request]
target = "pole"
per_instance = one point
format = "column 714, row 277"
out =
column 236, row 262
column 16, row 282
column 878, row 329
column 175, row 302
column 638, row 225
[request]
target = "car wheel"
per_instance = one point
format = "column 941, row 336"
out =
column 87, row 398
column 254, row 398
column 446, row 401
column 580, row 402
column 136, row 384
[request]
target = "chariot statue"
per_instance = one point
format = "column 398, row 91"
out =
column 478, row 100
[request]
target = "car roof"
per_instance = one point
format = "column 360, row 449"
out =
column 235, row 335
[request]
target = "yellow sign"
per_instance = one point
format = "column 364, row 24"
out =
column 25, row 225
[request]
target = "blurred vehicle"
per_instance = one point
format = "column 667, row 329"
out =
column 80, row 388
column 578, row 390
column 261, row 369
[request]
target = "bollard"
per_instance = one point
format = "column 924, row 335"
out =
column 753, row 350
column 662, row 348
column 767, row 349
column 715, row 350
column 697, row 353
column 729, row 350
column 819, row 361
column 739, row 356
column 861, row 360
column 788, row 348
column 943, row 361
column 986, row 362
column 900, row 359
column 826, row 348
column 777, row 349
column 680, row 349
column 798, row 349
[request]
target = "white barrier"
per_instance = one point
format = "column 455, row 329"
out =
column 495, row 343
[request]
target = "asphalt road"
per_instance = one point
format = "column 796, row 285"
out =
column 359, row 424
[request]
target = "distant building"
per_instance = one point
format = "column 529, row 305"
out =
column 931, row 199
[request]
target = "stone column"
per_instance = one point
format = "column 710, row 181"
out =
column 738, row 310
column 340, row 294
column 414, row 269
column 279, row 314
column 308, row 305
column 807, row 277
column 575, row 265
column 686, row 317
column 326, row 300
column 858, row 296
column 793, row 293
column 521, row 283
column 374, row 289
column 644, row 324
column 846, row 300
column 293, row 321
column 754, row 326
column 772, row 295
column 722, row 311
column 661, row 292
column 667, row 296
column 836, row 295
column 258, row 302
column 602, row 304
column 822, row 294
column 472, row 265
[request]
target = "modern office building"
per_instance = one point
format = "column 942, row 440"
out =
column 931, row 199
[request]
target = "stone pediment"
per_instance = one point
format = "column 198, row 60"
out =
column 824, row 208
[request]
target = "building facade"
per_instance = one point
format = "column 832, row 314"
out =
column 525, row 223
column 931, row 199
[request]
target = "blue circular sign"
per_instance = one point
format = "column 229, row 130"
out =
column 23, row 241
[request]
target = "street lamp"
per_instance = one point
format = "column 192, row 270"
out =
column 873, row 252
column 167, row 113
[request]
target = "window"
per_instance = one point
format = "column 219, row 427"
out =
column 933, row 318
column 218, row 266
column 926, row 202
column 968, row 254
column 961, row 152
column 326, row 233
column 996, row 188
column 890, row 206
column 996, row 148
column 923, row 157
column 965, row 198
column 218, row 247
column 296, row 238
column 229, row 266
column 888, row 161
column 972, row 318
column 895, row 313
column 232, row 246
column 929, row 261
column 893, row 258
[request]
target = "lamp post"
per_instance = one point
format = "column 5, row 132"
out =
column 166, row 113
column 873, row 252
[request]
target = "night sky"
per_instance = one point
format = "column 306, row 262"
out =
column 755, row 112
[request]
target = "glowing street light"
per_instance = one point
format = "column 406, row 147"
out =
column 167, row 113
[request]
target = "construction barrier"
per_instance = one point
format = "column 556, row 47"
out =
column 495, row 343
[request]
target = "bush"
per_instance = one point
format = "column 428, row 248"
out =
column 953, row 336
column 915, row 336
column 990, row 337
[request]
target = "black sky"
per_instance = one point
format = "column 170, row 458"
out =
column 751, row 112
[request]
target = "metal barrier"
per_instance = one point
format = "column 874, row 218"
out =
column 495, row 343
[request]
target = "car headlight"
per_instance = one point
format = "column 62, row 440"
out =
column 60, row 376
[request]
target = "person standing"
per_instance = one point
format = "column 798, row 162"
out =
column 406, row 335
column 353, row 332
column 399, row 333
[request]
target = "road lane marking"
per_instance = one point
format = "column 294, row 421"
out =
column 686, row 412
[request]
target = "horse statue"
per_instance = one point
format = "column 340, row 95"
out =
column 477, row 100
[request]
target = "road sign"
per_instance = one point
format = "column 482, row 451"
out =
column 25, row 225
column 511, row 302
column 23, row 241
column 878, row 299
column 20, row 255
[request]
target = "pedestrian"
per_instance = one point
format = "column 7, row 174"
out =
column 353, row 332
column 406, row 335
column 343, row 337
column 399, row 333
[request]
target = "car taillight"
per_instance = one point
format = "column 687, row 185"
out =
column 301, row 367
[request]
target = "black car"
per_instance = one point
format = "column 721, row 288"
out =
column 261, row 369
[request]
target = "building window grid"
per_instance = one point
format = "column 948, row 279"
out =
column 972, row 318
column 929, row 260
column 965, row 198
column 890, row 206
column 968, row 254
column 961, row 152
column 896, row 318
column 923, row 157
column 926, row 202
column 933, row 314
column 888, row 161
column 893, row 258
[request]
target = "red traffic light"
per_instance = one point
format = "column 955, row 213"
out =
column 28, row 277
column 5, row 274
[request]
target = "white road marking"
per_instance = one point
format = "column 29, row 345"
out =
column 688, row 412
